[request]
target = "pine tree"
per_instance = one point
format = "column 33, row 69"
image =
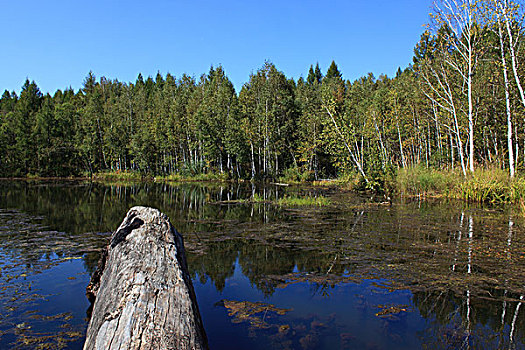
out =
column 314, row 76
column 333, row 72
column 318, row 75
column 311, row 76
column 26, row 110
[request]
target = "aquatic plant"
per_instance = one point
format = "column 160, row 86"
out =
column 484, row 185
column 318, row 201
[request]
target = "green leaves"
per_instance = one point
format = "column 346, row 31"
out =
column 320, row 125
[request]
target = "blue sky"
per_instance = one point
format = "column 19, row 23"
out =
column 57, row 42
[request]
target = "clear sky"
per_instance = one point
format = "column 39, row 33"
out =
column 57, row 42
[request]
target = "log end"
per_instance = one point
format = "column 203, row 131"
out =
column 142, row 291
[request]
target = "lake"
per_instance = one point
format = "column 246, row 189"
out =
column 355, row 274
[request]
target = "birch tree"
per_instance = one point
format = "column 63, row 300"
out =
column 439, row 84
column 509, row 12
column 337, row 128
column 507, row 96
column 461, row 19
column 502, row 16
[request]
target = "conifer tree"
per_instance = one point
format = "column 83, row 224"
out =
column 311, row 76
column 333, row 72
column 26, row 111
column 317, row 73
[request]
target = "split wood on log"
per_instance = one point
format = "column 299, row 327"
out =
column 142, row 291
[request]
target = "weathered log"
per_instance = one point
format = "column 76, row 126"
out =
column 142, row 291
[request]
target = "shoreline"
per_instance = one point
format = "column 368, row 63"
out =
column 492, row 186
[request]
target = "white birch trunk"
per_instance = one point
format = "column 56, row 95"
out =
column 403, row 159
column 505, row 10
column 507, row 101
column 459, row 16
column 470, row 111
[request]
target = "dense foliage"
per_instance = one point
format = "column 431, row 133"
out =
column 459, row 105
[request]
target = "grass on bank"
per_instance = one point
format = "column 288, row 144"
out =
column 483, row 185
column 118, row 176
column 136, row 176
column 492, row 185
column 193, row 178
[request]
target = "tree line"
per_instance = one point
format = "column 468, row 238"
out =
column 459, row 105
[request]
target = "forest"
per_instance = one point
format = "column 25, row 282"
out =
column 459, row 106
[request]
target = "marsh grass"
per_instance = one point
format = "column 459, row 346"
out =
column 118, row 176
column 425, row 181
column 483, row 186
column 290, row 201
column 311, row 201
column 132, row 176
column 492, row 186
column 212, row 176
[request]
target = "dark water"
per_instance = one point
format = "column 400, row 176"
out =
column 352, row 275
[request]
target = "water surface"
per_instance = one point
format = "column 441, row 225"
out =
column 353, row 275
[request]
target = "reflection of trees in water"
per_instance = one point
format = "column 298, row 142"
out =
column 457, row 314
column 217, row 264
column 457, row 272
column 448, row 314
column 52, row 222
column 258, row 261
column 23, row 241
column 462, row 263
column 73, row 211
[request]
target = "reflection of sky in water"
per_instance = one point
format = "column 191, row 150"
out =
column 44, row 306
column 343, row 316
column 463, row 265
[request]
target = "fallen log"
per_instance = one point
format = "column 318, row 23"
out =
column 279, row 184
column 142, row 291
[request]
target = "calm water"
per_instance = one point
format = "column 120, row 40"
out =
column 353, row 275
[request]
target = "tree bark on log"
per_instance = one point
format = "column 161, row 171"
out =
column 142, row 291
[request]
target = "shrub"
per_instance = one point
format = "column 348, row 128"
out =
column 297, row 175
